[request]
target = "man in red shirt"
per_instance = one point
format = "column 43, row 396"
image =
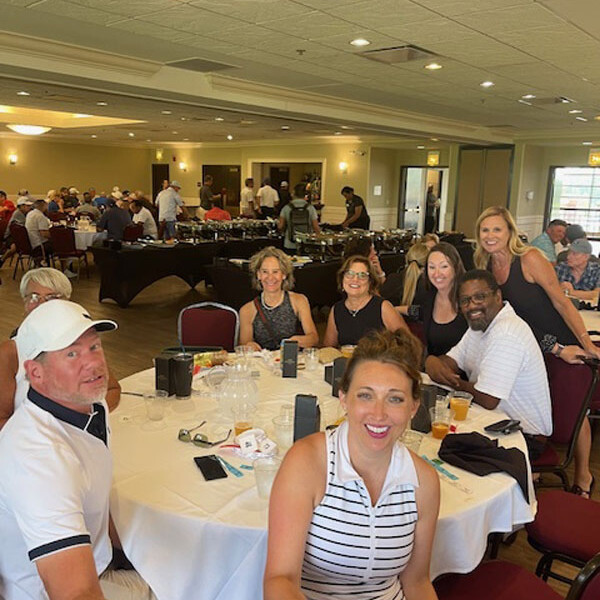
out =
column 7, row 207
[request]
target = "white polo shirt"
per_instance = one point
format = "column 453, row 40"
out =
column 268, row 196
column 167, row 201
column 36, row 221
column 145, row 217
column 55, row 479
column 506, row 362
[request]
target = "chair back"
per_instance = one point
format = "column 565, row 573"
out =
column 63, row 240
column 84, row 213
column 20, row 238
column 57, row 216
column 3, row 226
column 208, row 324
column 587, row 583
column 133, row 231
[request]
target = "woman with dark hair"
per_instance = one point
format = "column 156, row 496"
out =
column 362, row 310
column 277, row 312
column 335, row 489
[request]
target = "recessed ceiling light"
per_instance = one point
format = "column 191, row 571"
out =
column 166, row 112
column 345, row 127
column 575, row 111
column 433, row 66
column 337, row 133
column 174, row 132
column 94, row 135
column 487, row 84
column 597, row 117
column 148, row 140
column 229, row 137
column 524, row 102
column 528, row 96
column 101, row 103
column 29, row 129
column 131, row 134
column 587, row 143
column 184, row 118
column 434, row 139
column 219, row 119
column 81, row 116
column 420, row 147
column 23, row 93
column 360, row 42
column 285, row 127
column 186, row 139
column 581, row 118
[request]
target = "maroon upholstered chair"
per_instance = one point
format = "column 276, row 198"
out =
column 23, row 245
column 64, row 248
column 571, row 389
column 208, row 324
column 500, row 580
column 566, row 528
column 133, row 232
column 57, row 216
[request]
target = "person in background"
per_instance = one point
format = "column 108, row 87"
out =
column 266, row 199
column 7, row 207
column 529, row 283
column 101, row 201
column 362, row 309
column 573, row 232
column 546, row 241
column 87, row 208
column 38, row 230
column 579, row 277
column 72, row 199
column 37, row 287
column 206, row 194
column 167, row 201
column 55, row 201
column 142, row 215
column 284, row 195
column 363, row 246
column 277, row 314
column 413, row 284
column 432, row 205
column 356, row 496
column 297, row 216
column 217, row 212
column 357, row 216
column 247, row 199
column 24, row 205
column 114, row 220
column 430, row 240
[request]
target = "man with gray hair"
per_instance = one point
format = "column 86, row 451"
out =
column 56, row 468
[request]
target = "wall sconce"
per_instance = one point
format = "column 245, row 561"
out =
column 183, row 166
column 159, row 154
column 12, row 159
column 433, row 159
column 343, row 167
column 594, row 157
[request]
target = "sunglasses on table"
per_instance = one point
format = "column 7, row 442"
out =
column 201, row 440
column 350, row 274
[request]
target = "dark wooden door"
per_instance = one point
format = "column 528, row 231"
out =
column 225, row 176
column 279, row 174
column 159, row 174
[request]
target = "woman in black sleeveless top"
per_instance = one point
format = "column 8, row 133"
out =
column 361, row 310
column 529, row 283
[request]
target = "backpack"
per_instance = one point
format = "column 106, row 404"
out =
column 299, row 220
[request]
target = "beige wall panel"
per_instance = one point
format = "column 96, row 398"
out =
column 496, row 177
column 469, row 190
column 384, row 172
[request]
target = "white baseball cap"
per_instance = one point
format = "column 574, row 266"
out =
column 74, row 190
column 55, row 325
column 24, row 200
column 175, row 184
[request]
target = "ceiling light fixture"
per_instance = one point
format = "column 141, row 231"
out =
column 166, row 112
column 229, row 137
column 174, row 132
column 581, row 119
column 81, row 116
column 433, row 66
column 131, row 134
column 597, row 118
column 219, row 119
column 285, row 128
column 575, row 111
column 345, row 127
column 94, row 135
column 101, row 103
column 521, row 101
column 528, row 96
column 337, row 133
column 487, row 84
column 359, row 42
column 23, row 93
column 587, row 143
column 29, row 129
column 420, row 147
column 184, row 118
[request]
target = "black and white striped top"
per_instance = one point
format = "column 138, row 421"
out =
column 353, row 549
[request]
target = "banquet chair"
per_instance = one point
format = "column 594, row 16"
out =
column 57, row 216
column 501, row 580
column 208, row 324
column 64, row 248
column 23, row 245
column 569, row 407
column 574, row 538
column 133, row 231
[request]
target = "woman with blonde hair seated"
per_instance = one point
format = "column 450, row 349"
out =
column 414, row 282
column 277, row 312
column 335, row 489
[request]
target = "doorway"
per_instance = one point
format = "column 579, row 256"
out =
column 226, row 181
column 416, row 185
column 159, row 174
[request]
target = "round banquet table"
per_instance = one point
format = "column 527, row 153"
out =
column 189, row 538
column 85, row 239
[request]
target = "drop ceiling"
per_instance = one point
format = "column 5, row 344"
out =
column 264, row 64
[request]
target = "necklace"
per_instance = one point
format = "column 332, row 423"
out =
column 266, row 306
column 352, row 312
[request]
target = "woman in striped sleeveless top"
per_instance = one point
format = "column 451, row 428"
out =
column 353, row 512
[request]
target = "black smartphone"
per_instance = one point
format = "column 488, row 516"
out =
column 210, row 466
column 505, row 426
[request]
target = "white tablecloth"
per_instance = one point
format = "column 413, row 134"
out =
column 207, row 540
column 84, row 239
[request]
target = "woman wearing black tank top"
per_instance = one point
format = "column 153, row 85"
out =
column 530, row 285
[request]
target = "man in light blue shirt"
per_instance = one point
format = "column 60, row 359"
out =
column 554, row 233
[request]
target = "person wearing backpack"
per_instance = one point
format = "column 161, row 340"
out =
column 298, row 216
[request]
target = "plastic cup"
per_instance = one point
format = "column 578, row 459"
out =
column 265, row 470
column 311, row 358
column 243, row 415
column 156, row 403
column 412, row 440
column 440, row 421
column 284, row 431
column 460, row 403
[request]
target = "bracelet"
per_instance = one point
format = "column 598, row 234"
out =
column 559, row 349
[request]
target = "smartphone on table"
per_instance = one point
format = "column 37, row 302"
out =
column 210, row 467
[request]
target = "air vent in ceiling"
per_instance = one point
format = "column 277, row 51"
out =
column 398, row 54
column 200, row 65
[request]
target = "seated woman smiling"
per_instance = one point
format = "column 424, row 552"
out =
column 333, row 489
column 361, row 310
column 275, row 314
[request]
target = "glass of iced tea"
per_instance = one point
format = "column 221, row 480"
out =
column 243, row 415
column 441, row 417
column 460, row 403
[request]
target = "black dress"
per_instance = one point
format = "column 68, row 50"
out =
column 351, row 328
column 441, row 337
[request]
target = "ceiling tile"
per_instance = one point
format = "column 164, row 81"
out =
column 74, row 11
column 131, row 8
column 389, row 13
column 453, row 8
column 191, row 19
column 261, row 11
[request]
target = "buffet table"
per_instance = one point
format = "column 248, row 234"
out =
column 189, row 538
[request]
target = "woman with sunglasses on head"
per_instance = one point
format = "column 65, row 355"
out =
column 529, row 283
column 37, row 286
column 335, row 489
column 362, row 310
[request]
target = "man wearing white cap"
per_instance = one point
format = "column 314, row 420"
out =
column 72, row 200
column 167, row 201
column 56, row 468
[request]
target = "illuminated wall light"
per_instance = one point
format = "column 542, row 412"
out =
column 433, row 158
column 159, row 154
column 183, row 166
column 12, row 159
column 594, row 157
column 343, row 167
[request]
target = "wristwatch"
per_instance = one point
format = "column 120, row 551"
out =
column 559, row 349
